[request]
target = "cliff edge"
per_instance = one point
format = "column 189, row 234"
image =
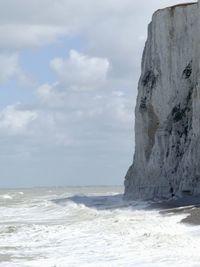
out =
column 167, row 115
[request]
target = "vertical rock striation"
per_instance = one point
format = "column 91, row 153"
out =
column 167, row 114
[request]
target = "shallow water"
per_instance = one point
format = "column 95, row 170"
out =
column 90, row 226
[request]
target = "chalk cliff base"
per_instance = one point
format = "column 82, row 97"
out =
column 167, row 116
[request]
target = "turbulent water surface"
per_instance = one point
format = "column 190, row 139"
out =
column 79, row 227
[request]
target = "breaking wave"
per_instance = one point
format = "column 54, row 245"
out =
column 58, row 229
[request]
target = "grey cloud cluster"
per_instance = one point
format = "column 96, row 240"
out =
column 85, row 97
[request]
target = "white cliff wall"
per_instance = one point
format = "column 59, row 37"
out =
column 167, row 123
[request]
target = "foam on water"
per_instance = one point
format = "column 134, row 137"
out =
column 95, row 228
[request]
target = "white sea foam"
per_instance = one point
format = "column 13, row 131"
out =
column 94, row 231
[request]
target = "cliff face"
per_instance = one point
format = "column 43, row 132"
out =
column 167, row 114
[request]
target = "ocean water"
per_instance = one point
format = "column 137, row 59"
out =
column 90, row 227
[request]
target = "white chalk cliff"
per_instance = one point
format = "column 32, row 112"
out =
column 167, row 115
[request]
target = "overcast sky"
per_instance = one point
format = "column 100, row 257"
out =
column 68, row 84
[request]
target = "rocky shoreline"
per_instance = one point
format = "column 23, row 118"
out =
column 188, row 205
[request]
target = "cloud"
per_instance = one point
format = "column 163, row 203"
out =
column 10, row 69
column 86, row 97
column 35, row 128
column 81, row 72
column 110, row 28
column 49, row 96
column 76, row 76
column 9, row 66
column 27, row 25
column 83, row 84
column 14, row 121
column 16, row 37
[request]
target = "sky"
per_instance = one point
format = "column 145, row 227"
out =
column 68, row 85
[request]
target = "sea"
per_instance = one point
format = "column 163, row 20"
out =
column 91, row 227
